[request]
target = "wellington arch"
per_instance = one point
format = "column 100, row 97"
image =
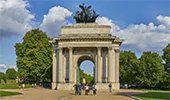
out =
column 85, row 41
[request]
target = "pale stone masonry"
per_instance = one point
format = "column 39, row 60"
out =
column 81, row 42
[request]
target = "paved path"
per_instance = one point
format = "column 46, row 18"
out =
column 47, row 94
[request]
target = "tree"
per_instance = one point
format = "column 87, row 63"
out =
column 34, row 56
column 128, row 63
column 166, row 58
column 2, row 75
column 165, row 80
column 11, row 73
column 89, row 78
column 150, row 70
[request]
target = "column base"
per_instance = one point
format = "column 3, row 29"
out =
column 54, row 85
column 117, row 86
column 71, row 81
column 63, row 86
column 104, row 86
column 69, row 86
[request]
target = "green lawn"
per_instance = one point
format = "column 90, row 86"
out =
column 4, row 93
column 154, row 95
column 13, row 86
column 8, row 81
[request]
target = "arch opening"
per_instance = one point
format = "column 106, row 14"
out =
column 86, row 70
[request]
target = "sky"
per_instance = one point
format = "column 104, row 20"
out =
column 143, row 24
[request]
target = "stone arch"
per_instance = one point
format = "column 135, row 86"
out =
column 81, row 42
column 83, row 58
column 79, row 60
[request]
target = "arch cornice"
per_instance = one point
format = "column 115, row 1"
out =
column 72, row 38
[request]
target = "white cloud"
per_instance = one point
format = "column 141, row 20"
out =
column 143, row 37
column 12, row 66
column 15, row 19
column 106, row 21
column 53, row 21
column 165, row 21
column 3, row 66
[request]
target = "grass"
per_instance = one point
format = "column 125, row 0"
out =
column 4, row 93
column 13, row 86
column 8, row 81
column 154, row 95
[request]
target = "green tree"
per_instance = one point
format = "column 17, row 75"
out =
column 11, row 73
column 34, row 56
column 89, row 78
column 150, row 70
column 166, row 58
column 165, row 80
column 2, row 75
column 128, row 64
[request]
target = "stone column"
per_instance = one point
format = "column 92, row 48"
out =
column 54, row 65
column 111, row 65
column 54, row 83
column 96, row 69
column 99, row 65
column 70, row 65
column 106, row 80
column 117, row 64
column 75, row 74
column 60, row 68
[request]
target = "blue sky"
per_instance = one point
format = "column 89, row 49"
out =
column 143, row 24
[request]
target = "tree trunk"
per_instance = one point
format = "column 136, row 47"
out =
column 37, row 79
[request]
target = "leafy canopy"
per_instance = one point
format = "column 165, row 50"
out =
column 150, row 70
column 166, row 58
column 89, row 78
column 145, row 71
column 128, row 62
column 11, row 73
column 34, row 55
column 2, row 75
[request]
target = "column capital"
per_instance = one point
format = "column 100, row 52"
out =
column 54, row 50
column 117, row 50
column 110, row 48
column 70, row 48
column 99, row 48
column 60, row 48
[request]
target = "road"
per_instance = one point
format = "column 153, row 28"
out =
column 47, row 94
